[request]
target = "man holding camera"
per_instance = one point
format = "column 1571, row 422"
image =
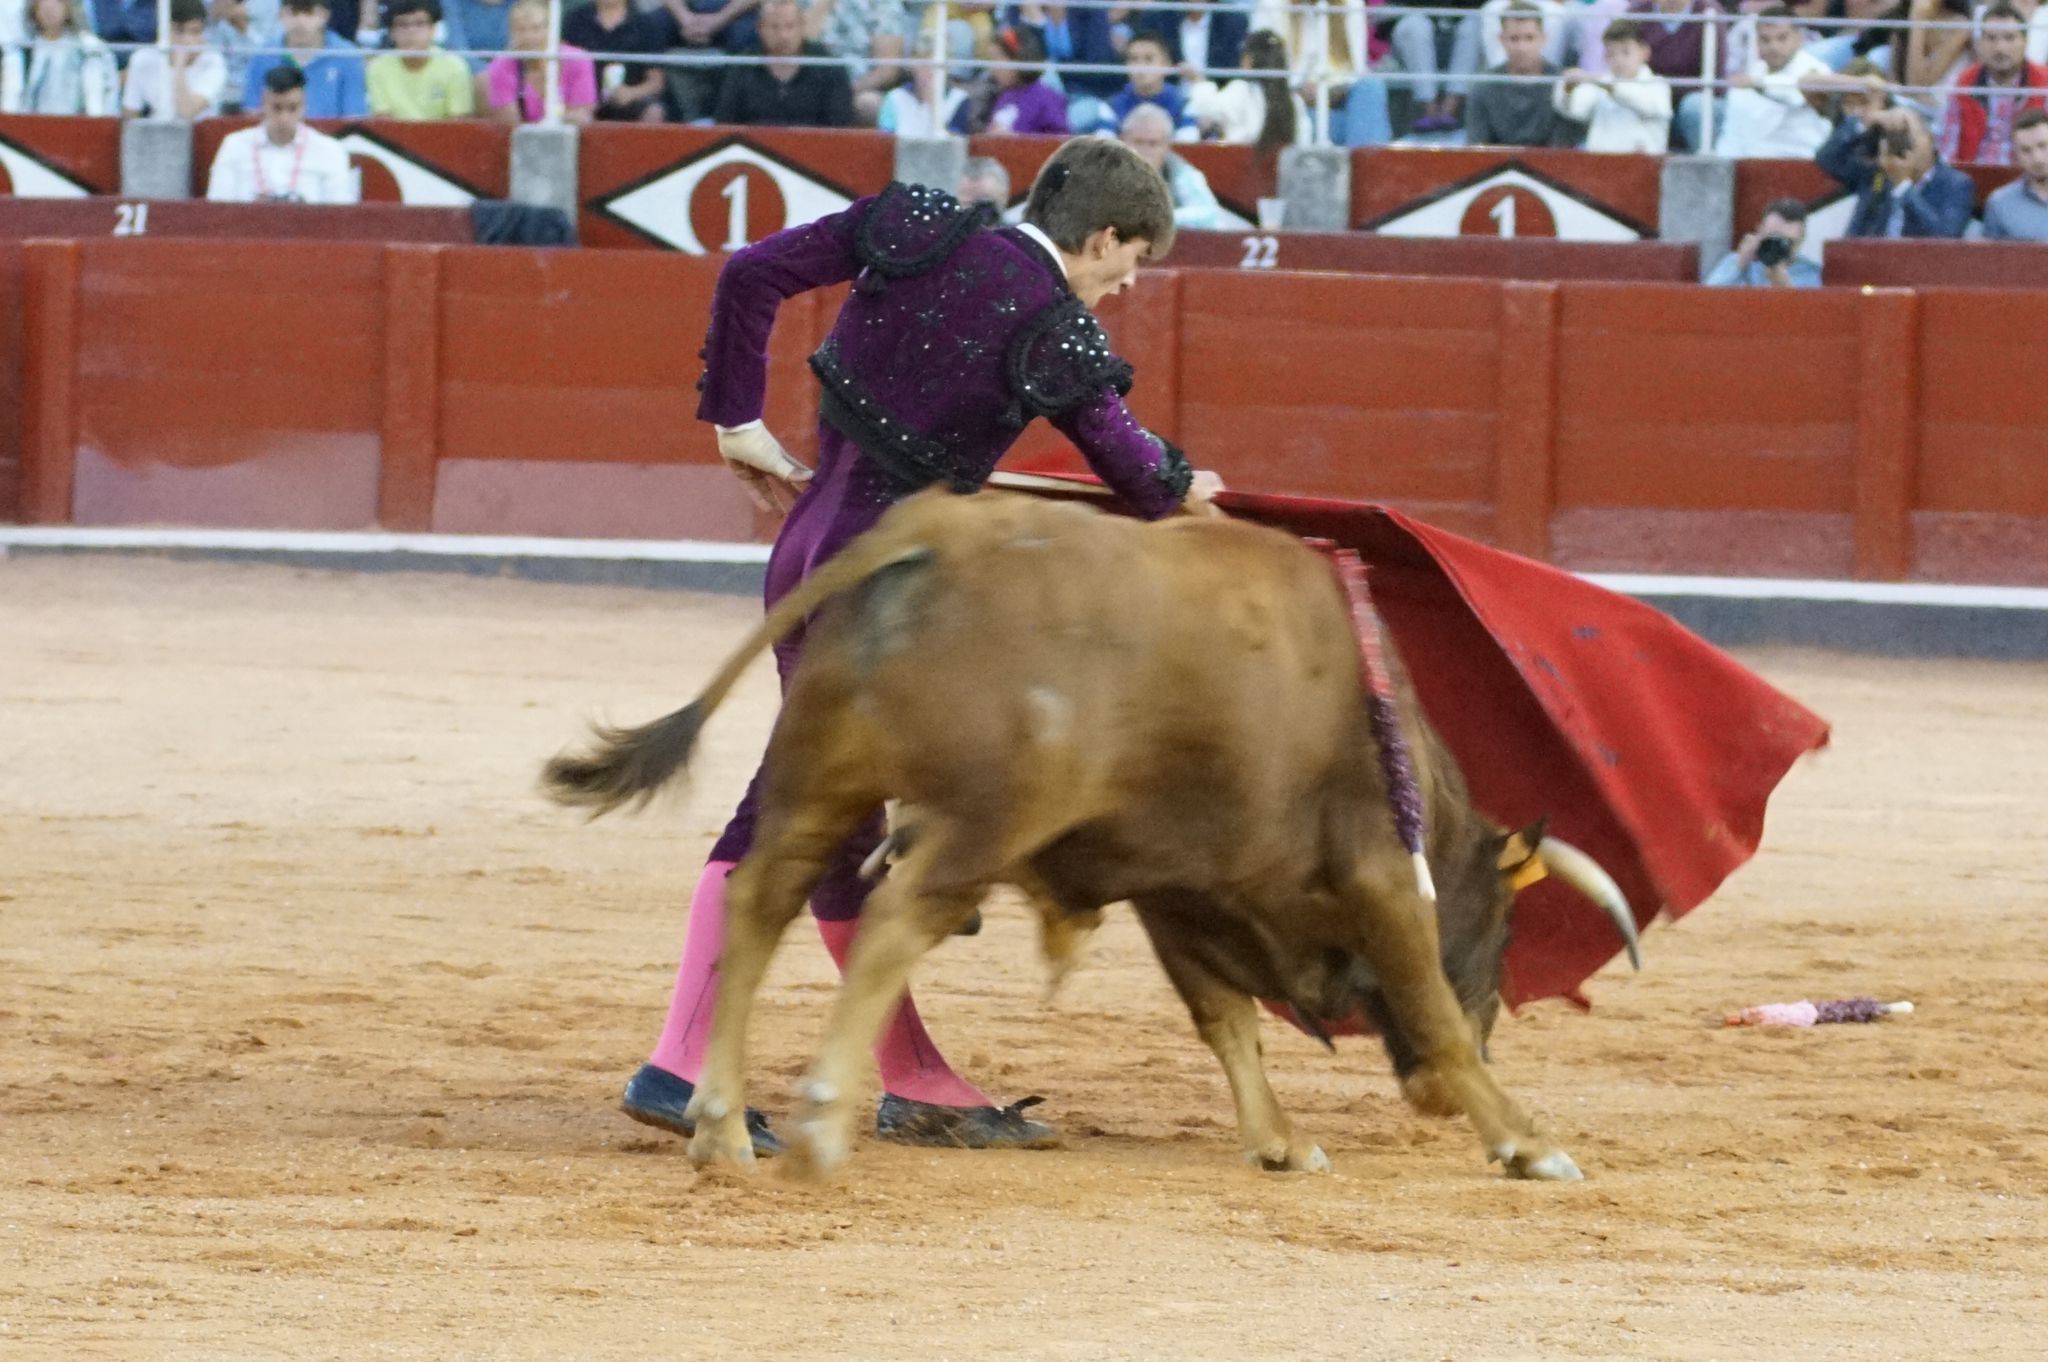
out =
column 1769, row 256
column 1903, row 188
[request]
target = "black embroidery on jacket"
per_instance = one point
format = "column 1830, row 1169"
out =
column 1061, row 360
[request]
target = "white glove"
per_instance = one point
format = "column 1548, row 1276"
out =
column 771, row 477
column 1201, row 497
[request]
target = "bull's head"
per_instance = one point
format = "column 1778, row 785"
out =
column 1476, row 887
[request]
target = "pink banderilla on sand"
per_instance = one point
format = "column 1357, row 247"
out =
column 1815, row 1014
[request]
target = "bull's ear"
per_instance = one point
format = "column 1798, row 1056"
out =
column 1520, row 864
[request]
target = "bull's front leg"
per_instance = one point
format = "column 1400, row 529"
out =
column 1228, row 1022
column 1399, row 941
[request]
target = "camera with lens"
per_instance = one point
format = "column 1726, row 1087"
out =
column 1897, row 141
column 1773, row 251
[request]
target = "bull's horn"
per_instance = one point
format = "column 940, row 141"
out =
column 1584, row 874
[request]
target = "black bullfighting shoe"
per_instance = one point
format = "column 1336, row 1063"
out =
column 902, row 1121
column 656, row 1097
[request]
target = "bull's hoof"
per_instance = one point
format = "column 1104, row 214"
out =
column 1556, row 1166
column 723, row 1143
column 1295, row 1158
column 823, row 1144
column 655, row 1097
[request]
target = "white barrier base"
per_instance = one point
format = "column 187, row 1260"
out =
column 739, row 555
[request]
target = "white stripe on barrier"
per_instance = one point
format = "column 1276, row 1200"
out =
column 714, row 552
column 438, row 545
column 1795, row 589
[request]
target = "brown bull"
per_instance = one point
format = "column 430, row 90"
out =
column 1100, row 710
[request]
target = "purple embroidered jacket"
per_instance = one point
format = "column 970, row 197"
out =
column 955, row 336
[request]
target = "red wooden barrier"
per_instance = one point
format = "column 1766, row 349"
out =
column 10, row 379
column 1705, row 429
column 107, row 217
column 1477, row 257
column 1620, row 426
column 1979, row 484
column 1951, row 264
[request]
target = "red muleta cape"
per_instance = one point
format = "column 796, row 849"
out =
column 1644, row 745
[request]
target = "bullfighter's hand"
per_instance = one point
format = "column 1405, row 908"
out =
column 1201, row 497
column 772, row 478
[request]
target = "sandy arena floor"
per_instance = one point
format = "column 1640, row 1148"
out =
column 313, row 1017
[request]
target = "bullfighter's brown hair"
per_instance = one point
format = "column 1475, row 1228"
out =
column 1092, row 183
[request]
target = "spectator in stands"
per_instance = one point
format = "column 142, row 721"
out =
column 1145, row 58
column 1329, row 42
column 1148, row 130
column 1676, row 43
column 1871, row 44
column 60, row 67
column 419, row 82
column 1199, row 38
column 1439, row 102
column 333, row 66
column 868, row 36
column 1079, row 36
column 907, row 109
column 1517, row 113
column 629, row 92
column 781, row 93
column 704, row 26
column 1769, row 256
column 1628, row 109
column 124, row 21
column 1932, row 56
column 1769, row 110
column 1557, row 30
column 2036, row 15
column 237, row 29
column 281, row 160
column 1980, row 118
column 2019, row 211
column 983, row 180
column 184, row 83
column 1023, row 102
column 1902, row 187
column 476, row 26
column 1259, row 109
column 515, row 88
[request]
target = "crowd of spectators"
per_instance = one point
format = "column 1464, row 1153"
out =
column 1888, row 96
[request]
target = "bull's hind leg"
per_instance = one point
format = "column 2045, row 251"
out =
column 904, row 918
column 1399, row 941
column 1228, row 1021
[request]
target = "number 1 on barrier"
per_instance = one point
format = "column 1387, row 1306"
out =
column 1504, row 214
column 735, row 193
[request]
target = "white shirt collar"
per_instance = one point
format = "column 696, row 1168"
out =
column 1045, row 243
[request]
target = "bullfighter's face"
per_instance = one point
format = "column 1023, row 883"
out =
column 1108, row 265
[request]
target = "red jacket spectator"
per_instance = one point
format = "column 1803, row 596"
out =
column 1979, row 123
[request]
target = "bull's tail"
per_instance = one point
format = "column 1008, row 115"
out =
column 629, row 765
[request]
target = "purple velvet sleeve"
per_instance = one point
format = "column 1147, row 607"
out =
column 750, row 289
column 1148, row 473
